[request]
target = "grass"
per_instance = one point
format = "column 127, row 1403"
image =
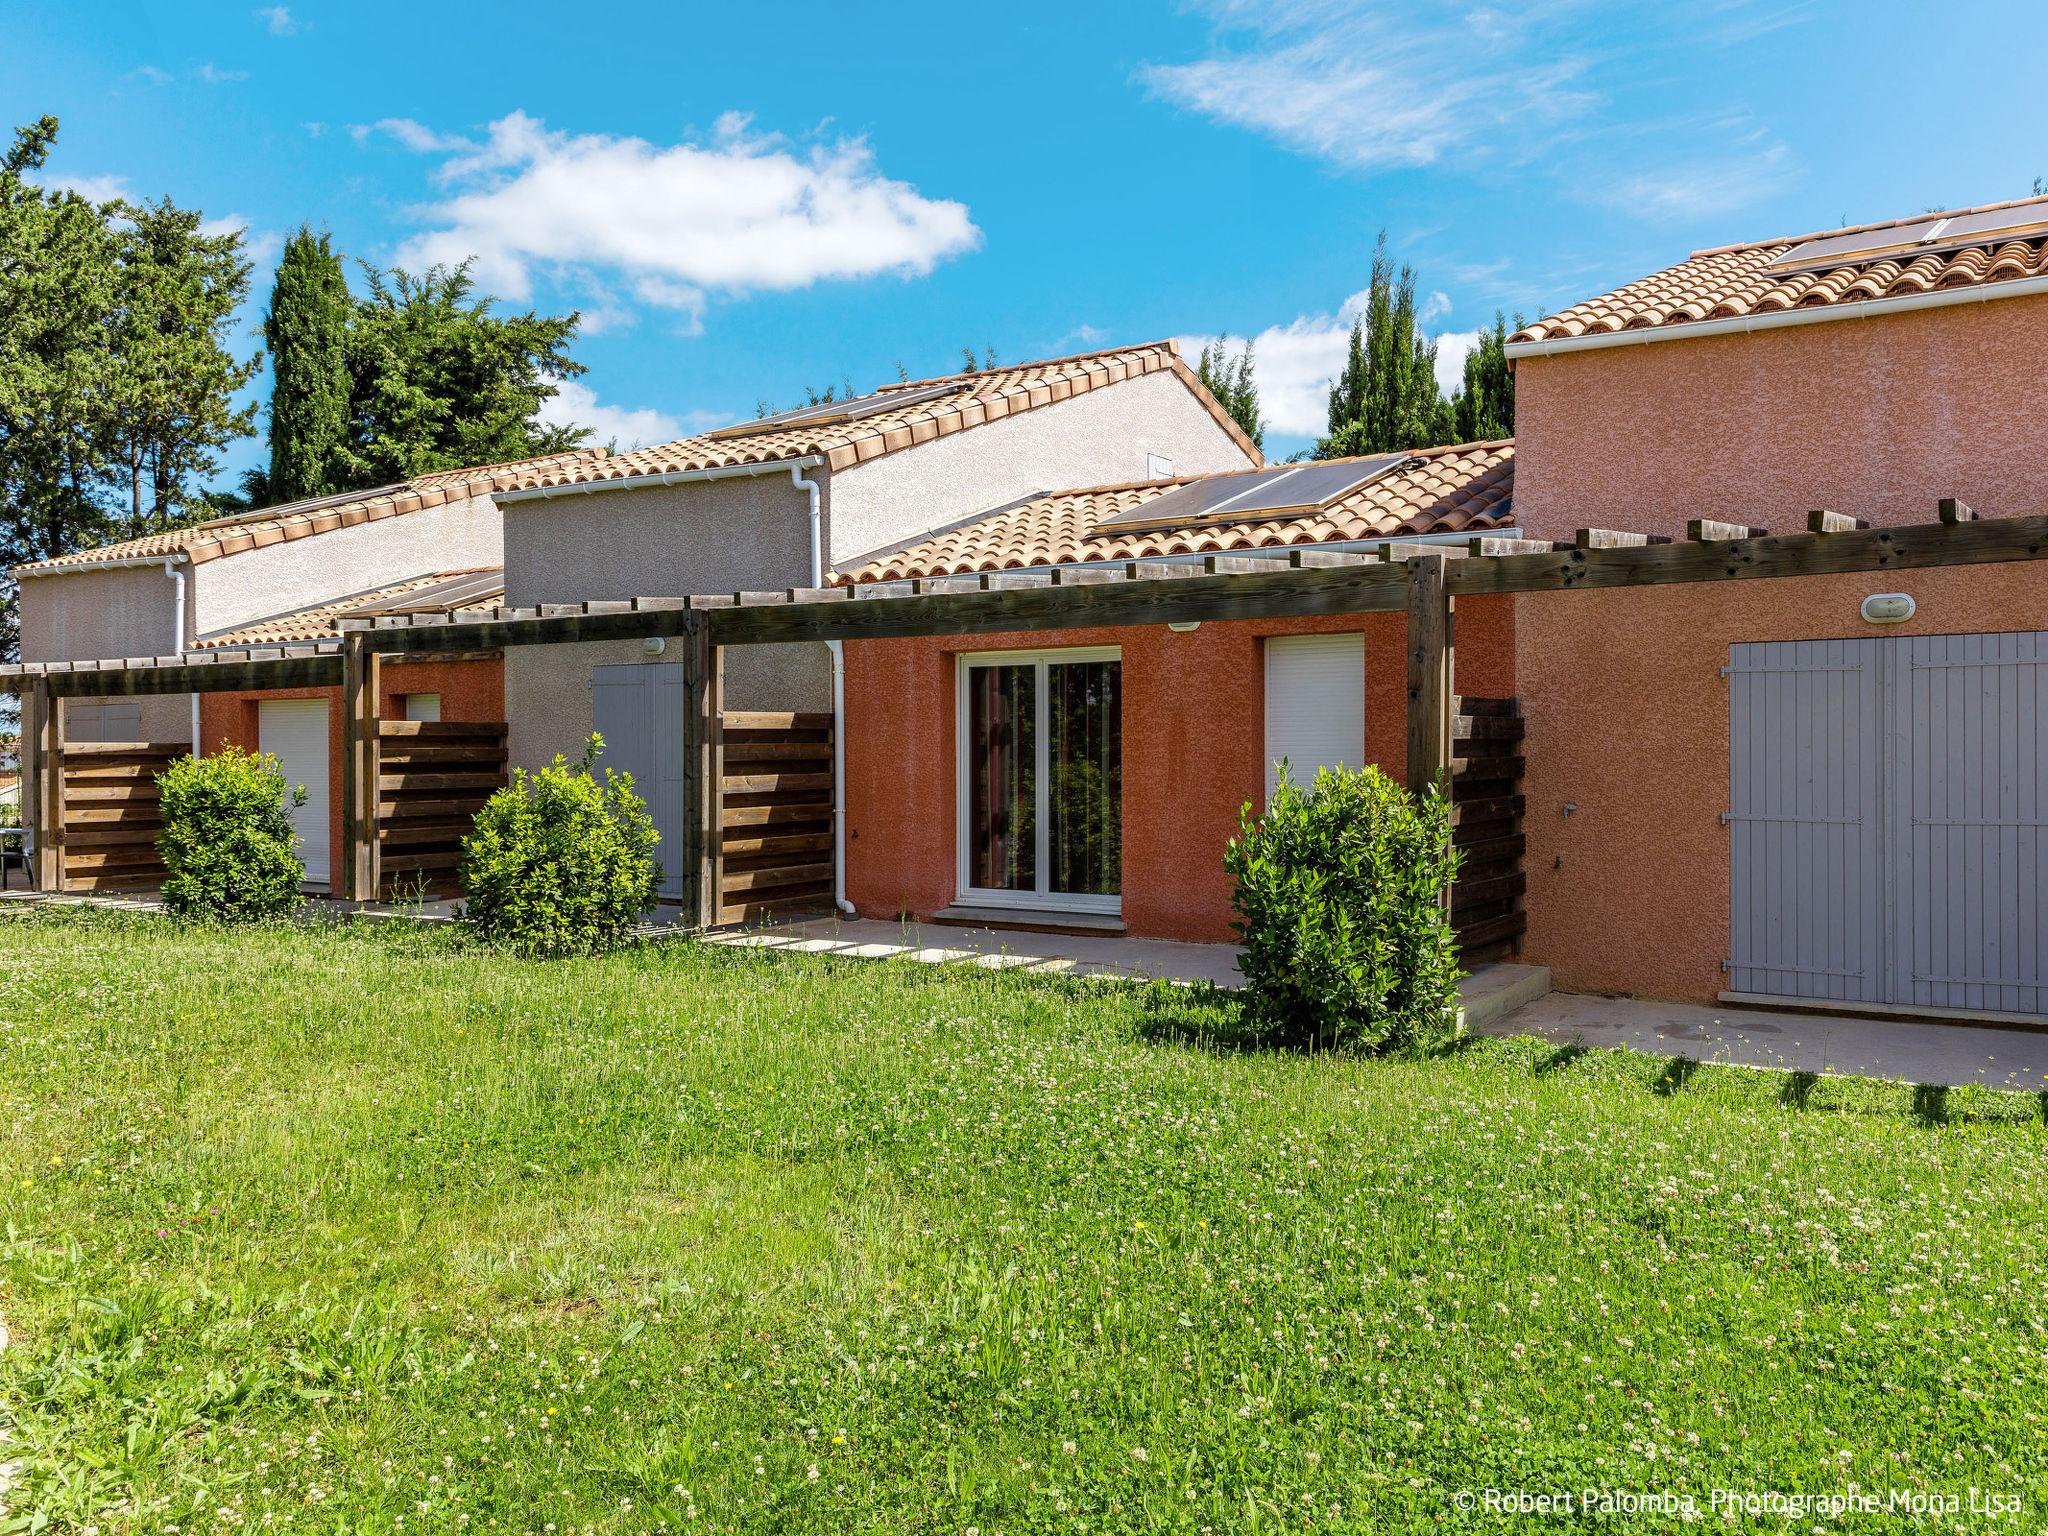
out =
column 354, row 1230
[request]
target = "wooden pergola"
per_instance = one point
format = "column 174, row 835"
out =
column 1422, row 580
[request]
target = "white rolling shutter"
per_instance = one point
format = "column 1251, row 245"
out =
column 1315, row 705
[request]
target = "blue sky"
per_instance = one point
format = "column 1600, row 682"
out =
column 747, row 199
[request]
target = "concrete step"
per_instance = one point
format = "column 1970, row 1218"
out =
column 1492, row 992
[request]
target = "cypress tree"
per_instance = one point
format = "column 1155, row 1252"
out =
column 307, row 333
column 1485, row 404
column 1386, row 399
column 1231, row 382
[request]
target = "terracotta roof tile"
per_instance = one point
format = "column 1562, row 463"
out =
column 990, row 395
column 1444, row 490
column 1729, row 282
column 469, row 589
column 276, row 525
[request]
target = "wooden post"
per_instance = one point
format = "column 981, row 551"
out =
column 1430, row 654
column 699, row 804
column 46, row 736
column 360, row 669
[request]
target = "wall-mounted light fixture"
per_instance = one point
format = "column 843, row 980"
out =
column 1185, row 626
column 654, row 645
column 1888, row 607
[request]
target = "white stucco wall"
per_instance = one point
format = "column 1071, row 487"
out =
column 94, row 614
column 1100, row 438
column 281, row 578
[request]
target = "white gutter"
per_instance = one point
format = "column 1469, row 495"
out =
column 666, row 477
column 837, row 650
column 113, row 563
column 170, row 565
column 1941, row 298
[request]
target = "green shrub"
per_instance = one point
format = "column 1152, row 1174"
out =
column 227, row 843
column 1346, row 941
column 560, row 864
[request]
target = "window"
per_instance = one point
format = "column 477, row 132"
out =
column 1041, row 779
column 87, row 720
column 423, row 706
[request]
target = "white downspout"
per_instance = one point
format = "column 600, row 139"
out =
column 178, row 637
column 837, row 648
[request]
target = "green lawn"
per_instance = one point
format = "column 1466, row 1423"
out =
column 360, row 1231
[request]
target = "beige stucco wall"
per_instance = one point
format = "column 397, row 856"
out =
column 279, row 578
column 92, row 615
column 741, row 534
column 1099, row 438
column 1876, row 417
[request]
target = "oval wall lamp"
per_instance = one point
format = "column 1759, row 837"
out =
column 1185, row 626
column 1888, row 607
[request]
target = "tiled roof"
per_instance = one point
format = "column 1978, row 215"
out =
column 990, row 395
column 417, row 595
column 297, row 520
column 1444, row 490
column 1735, row 281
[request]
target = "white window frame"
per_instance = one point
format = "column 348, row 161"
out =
column 1042, row 899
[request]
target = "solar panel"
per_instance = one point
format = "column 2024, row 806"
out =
column 1936, row 232
column 1288, row 490
column 841, row 410
column 443, row 596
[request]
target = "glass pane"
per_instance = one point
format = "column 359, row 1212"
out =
column 1002, row 768
column 1085, row 764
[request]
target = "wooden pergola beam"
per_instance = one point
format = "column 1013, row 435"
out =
column 360, row 666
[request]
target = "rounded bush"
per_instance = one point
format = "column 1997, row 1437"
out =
column 229, row 851
column 1340, row 908
column 560, row 863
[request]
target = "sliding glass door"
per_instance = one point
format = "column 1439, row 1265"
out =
column 1041, row 780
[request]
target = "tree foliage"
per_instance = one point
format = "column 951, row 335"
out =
column 116, row 377
column 1483, row 409
column 1230, row 380
column 1386, row 399
column 439, row 380
column 177, row 290
column 306, row 330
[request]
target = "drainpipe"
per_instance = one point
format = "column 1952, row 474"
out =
column 178, row 637
column 837, row 648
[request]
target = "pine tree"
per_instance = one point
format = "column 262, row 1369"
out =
column 437, row 380
column 1231, row 382
column 307, row 333
column 173, row 400
column 1484, row 406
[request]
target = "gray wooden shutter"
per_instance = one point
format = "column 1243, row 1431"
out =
column 638, row 709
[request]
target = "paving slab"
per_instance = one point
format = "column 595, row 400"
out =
column 1902, row 1050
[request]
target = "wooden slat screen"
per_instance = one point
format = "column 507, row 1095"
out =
column 1486, row 809
column 110, row 824
column 773, row 855
column 433, row 777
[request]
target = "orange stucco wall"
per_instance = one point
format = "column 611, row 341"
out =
column 470, row 690
column 1193, row 742
column 1878, row 418
column 1627, row 718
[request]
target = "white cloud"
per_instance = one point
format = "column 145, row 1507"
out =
column 1451, row 347
column 278, row 19
column 94, row 189
column 1370, row 88
column 260, row 247
column 1294, row 363
column 576, row 404
column 213, row 74
column 1701, row 188
column 1374, row 87
column 672, row 224
column 153, row 75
